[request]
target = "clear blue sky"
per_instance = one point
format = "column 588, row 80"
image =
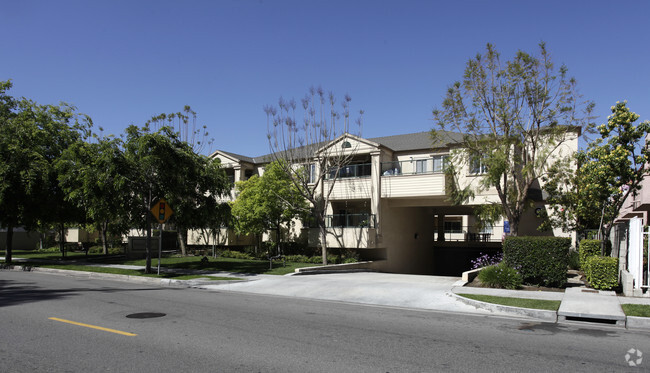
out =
column 122, row 62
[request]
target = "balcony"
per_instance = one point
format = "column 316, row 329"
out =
column 350, row 221
column 347, row 231
column 433, row 165
column 416, row 178
column 351, row 170
column 471, row 234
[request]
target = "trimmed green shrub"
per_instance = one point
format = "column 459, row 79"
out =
column 500, row 276
column 602, row 272
column 297, row 258
column 541, row 261
column 235, row 255
column 53, row 249
column 588, row 248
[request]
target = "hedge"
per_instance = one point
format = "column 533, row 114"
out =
column 601, row 272
column 541, row 261
column 587, row 249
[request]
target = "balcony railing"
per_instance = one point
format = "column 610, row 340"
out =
column 415, row 166
column 351, row 170
column 471, row 234
column 350, row 221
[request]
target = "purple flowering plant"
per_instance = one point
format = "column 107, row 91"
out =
column 485, row 260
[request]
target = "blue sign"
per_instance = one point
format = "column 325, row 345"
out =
column 506, row 226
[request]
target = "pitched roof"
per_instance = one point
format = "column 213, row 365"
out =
column 405, row 142
column 237, row 156
column 417, row 141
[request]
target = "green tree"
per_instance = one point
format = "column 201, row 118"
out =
column 94, row 177
column 268, row 203
column 32, row 138
column 163, row 166
column 609, row 171
column 509, row 119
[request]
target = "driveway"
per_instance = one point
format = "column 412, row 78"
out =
column 384, row 289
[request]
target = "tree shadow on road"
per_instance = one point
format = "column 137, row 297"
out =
column 14, row 292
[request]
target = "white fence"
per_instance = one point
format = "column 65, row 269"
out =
column 638, row 244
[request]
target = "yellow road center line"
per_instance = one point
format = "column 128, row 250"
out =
column 93, row 327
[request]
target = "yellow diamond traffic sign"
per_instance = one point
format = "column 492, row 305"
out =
column 161, row 211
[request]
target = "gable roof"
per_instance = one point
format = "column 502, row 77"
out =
column 416, row 141
column 405, row 142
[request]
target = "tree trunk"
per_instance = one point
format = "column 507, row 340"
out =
column 181, row 240
column 277, row 238
column 104, row 238
column 62, row 240
column 514, row 227
column 323, row 237
column 10, row 239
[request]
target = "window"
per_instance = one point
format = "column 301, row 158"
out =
column 453, row 227
column 312, row 173
column 477, row 165
column 439, row 163
column 487, row 228
column 421, row 166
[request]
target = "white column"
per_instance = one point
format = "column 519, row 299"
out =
column 635, row 253
column 375, row 189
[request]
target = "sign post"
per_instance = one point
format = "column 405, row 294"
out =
column 161, row 211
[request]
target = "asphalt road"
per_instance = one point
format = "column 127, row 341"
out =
column 212, row 331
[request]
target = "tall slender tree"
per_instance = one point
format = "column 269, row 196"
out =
column 513, row 118
column 297, row 144
column 609, row 172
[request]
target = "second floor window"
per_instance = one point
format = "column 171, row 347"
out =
column 477, row 166
column 312, row 173
column 439, row 163
column 421, row 166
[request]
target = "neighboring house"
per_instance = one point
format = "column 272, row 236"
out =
column 391, row 203
column 21, row 239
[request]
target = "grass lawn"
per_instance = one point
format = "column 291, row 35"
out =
column 129, row 272
column 225, row 264
column 53, row 255
column 188, row 263
column 641, row 310
column 539, row 304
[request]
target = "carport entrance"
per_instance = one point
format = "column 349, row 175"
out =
column 453, row 258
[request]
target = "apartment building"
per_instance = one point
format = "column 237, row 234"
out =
column 391, row 204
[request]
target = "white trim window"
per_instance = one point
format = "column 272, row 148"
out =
column 477, row 165
column 421, row 166
column 312, row 173
column 439, row 162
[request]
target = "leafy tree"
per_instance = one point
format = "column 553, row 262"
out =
column 162, row 165
column 609, row 171
column 193, row 195
column 185, row 125
column 268, row 203
column 297, row 145
column 32, row 138
column 95, row 178
column 509, row 120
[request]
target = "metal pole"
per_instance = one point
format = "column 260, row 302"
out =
column 160, row 234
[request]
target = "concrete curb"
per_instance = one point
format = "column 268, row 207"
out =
column 545, row 315
column 337, row 268
column 636, row 322
column 124, row 278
